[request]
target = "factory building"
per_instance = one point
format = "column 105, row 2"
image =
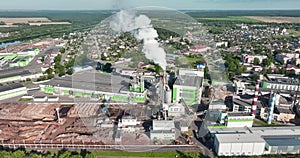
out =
column 238, row 144
column 11, row 91
column 188, row 86
column 239, row 119
column 221, row 119
column 280, row 85
column 276, row 140
column 11, row 75
column 105, row 86
column 175, row 109
column 21, row 62
column 20, row 59
column 163, row 130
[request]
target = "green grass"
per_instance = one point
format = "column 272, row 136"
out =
column 231, row 18
column 265, row 124
column 25, row 99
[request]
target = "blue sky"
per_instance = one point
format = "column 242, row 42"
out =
column 175, row 4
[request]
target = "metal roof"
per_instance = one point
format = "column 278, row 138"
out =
column 283, row 141
column 10, row 87
column 194, row 81
column 239, row 138
column 14, row 73
column 92, row 81
column 166, row 124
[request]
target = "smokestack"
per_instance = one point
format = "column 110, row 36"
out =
column 272, row 104
column 57, row 113
column 254, row 104
column 142, row 29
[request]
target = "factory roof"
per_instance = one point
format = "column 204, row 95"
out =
column 262, row 131
column 10, row 87
column 245, row 102
column 167, row 124
column 239, row 138
column 233, row 114
column 269, row 131
column 194, row 81
column 283, row 141
column 95, row 81
column 13, row 72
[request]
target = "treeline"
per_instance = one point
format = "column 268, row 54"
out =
column 226, row 13
column 165, row 34
column 79, row 21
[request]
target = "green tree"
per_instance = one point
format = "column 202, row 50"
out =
column 49, row 71
column 266, row 62
column 290, row 73
column 254, row 77
column 256, row 61
column 158, row 69
column 70, row 71
column 62, row 50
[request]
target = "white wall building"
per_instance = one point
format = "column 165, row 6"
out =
column 239, row 144
column 128, row 121
column 163, row 130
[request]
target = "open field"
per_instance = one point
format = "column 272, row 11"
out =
column 13, row 22
column 231, row 18
column 275, row 19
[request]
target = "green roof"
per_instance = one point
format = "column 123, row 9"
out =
column 11, row 57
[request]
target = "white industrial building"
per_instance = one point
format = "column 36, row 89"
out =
column 11, row 91
column 239, row 144
column 175, row 109
column 256, row 140
column 163, row 130
column 128, row 121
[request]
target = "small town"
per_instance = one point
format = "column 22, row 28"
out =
column 134, row 82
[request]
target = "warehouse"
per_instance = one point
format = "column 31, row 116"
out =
column 13, row 90
column 281, row 140
column 238, row 144
column 13, row 74
column 95, row 85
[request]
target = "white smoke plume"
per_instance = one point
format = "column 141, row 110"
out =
column 140, row 26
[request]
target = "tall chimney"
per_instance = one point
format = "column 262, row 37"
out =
column 272, row 104
column 254, row 104
column 58, row 117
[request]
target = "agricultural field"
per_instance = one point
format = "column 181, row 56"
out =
column 275, row 19
column 14, row 22
column 242, row 19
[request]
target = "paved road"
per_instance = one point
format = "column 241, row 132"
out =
column 197, row 141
